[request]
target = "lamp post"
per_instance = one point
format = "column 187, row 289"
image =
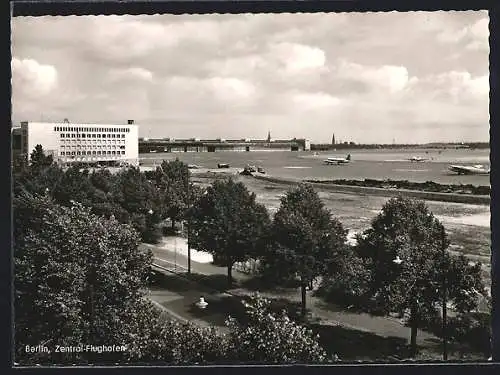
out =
column 444, row 305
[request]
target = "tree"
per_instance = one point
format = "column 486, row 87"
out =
column 78, row 278
column 136, row 195
column 41, row 176
column 172, row 181
column 38, row 159
column 266, row 337
column 307, row 240
column 228, row 223
column 349, row 284
column 102, row 179
column 410, row 267
column 74, row 185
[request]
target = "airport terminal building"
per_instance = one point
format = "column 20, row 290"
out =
column 85, row 143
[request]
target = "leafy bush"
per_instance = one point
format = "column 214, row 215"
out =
column 349, row 286
column 267, row 337
column 470, row 329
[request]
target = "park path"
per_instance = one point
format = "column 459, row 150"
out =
column 381, row 326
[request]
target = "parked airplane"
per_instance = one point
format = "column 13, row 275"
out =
column 337, row 161
column 417, row 159
column 466, row 169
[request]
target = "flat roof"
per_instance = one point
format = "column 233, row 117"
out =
column 74, row 123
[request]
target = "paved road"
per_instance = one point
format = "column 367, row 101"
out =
column 381, row 326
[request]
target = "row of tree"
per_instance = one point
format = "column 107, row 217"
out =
column 80, row 278
column 144, row 200
column 400, row 265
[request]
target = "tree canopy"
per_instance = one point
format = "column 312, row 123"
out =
column 77, row 276
column 410, row 266
column 173, row 184
column 307, row 240
column 228, row 223
column 38, row 159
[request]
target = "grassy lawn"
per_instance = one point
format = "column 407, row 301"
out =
column 471, row 240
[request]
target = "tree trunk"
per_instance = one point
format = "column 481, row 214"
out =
column 444, row 328
column 413, row 335
column 173, row 223
column 303, row 286
column 229, row 274
column 413, row 341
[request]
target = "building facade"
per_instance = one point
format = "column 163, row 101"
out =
column 87, row 143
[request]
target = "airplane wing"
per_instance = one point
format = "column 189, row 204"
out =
column 333, row 161
column 456, row 169
column 417, row 159
column 463, row 169
column 337, row 160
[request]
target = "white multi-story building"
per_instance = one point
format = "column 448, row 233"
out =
column 87, row 143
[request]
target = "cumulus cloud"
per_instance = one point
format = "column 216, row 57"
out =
column 457, row 87
column 475, row 36
column 231, row 88
column 298, row 58
column 315, row 100
column 392, row 78
column 228, row 89
column 32, row 77
column 122, row 38
column 462, row 82
column 369, row 76
column 131, row 73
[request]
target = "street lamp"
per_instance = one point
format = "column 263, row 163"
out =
column 444, row 303
column 188, row 229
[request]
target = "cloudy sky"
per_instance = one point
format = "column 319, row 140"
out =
column 367, row 77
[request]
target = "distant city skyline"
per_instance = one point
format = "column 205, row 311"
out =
column 415, row 77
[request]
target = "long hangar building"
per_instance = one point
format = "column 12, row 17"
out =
column 88, row 143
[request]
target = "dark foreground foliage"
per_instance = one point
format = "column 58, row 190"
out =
column 80, row 279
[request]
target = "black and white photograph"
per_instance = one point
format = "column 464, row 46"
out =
column 251, row 189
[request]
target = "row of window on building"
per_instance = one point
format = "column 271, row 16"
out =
column 79, row 153
column 84, row 135
column 121, row 147
column 84, row 129
column 68, row 142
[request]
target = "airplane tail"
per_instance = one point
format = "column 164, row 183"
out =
column 348, row 157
